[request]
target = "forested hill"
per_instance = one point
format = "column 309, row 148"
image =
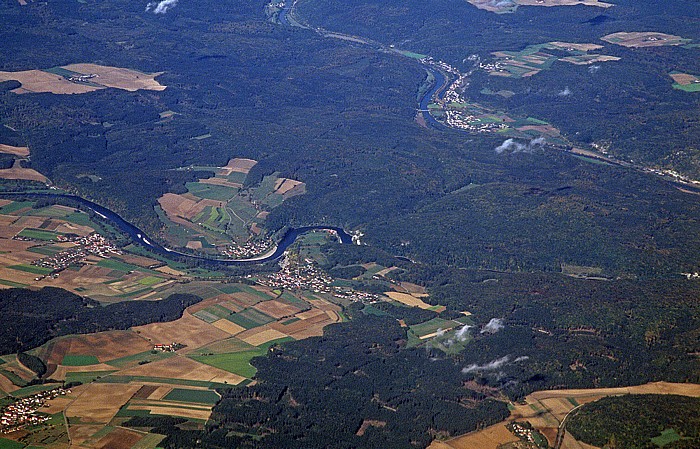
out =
column 32, row 317
column 339, row 116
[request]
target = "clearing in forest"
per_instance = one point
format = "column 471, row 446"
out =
column 221, row 215
column 510, row 6
column 535, row 58
column 546, row 409
column 644, row 39
column 685, row 81
column 82, row 78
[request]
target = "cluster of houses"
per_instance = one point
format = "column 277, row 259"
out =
column 24, row 412
column 458, row 118
column 356, row 296
column 248, row 249
column 93, row 244
column 82, row 78
column 522, row 431
column 298, row 274
column 172, row 347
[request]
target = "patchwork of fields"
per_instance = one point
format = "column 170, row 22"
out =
column 81, row 78
column 220, row 214
column 124, row 375
column 535, row 58
column 29, row 234
column 545, row 410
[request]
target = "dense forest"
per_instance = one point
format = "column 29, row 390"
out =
column 339, row 116
column 671, row 421
column 357, row 386
column 32, row 317
column 485, row 232
column 627, row 104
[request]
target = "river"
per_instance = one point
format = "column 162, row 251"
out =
column 140, row 237
column 439, row 83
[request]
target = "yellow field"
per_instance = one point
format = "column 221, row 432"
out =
column 15, row 151
column 238, row 165
column 409, row 300
column 17, row 172
column 546, row 409
column 489, row 438
column 126, row 79
column 175, row 411
column 684, row 79
column 98, row 403
column 188, row 330
column 228, row 326
column 503, row 7
column 184, row 368
column 262, row 336
column 549, row 3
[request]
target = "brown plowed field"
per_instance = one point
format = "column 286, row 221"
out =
column 103, row 345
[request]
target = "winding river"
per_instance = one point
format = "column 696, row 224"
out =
column 140, row 237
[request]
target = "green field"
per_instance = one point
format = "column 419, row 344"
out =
column 210, row 191
column 229, row 345
column 10, row 444
column 12, row 284
column 149, row 441
column 193, row 396
column 46, row 250
column 150, row 280
column 237, row 362
column 79, row 360
column 432, row 326
column 14, row 378
column 123, row 362
column 206, row 316
column 161, row 380
column 114, row 264
column 28, row 391
column 695, row 87
column 38, row 234
column 667, row 436
column 87, row 376
column 50, row 211
column 250, row 318
column 31, row 269
column 411, row 54
column 14, row 207
column 237, row 177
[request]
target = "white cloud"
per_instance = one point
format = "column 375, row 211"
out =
column 161, row 7
column 493, row 326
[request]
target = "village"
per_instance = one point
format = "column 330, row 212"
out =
column 296, row 274
column 248, row 249
column 24, row 412
column 454, row 105
column 527, row 433
column 93, row 244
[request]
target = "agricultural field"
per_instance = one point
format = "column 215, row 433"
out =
column 218, row 215
column 15, row 151
column 644, row 39
column 29, row 235
column 510, row 6
column 545, row 410
column 535, row 58
column 124, row 375
column 685, row 81
column 82, row 78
